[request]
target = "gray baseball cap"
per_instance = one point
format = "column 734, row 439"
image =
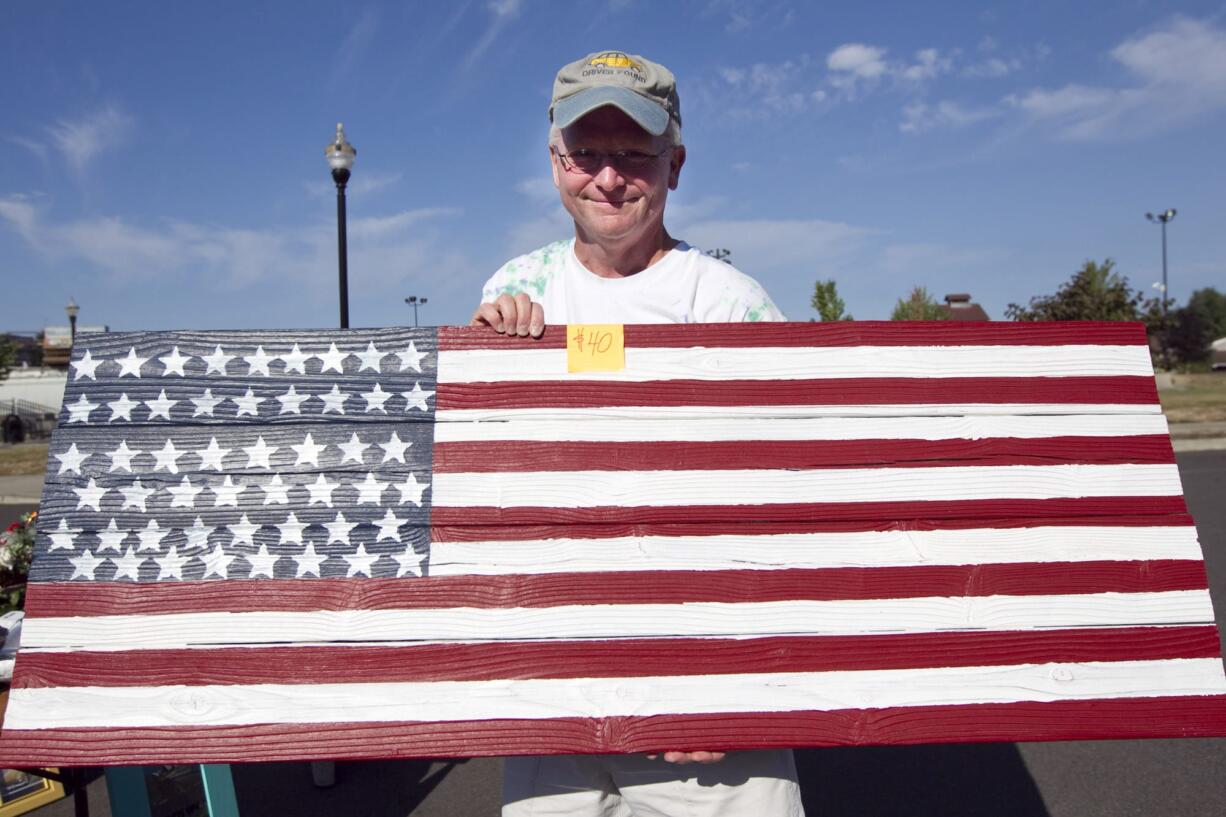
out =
column 643, row 90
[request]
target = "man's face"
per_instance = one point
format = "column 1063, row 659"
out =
column 614, row 203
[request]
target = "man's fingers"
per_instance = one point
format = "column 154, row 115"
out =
column 523, row 314
column 486, row 315
column 517, row 315
column 536, row 327
column 682, row 758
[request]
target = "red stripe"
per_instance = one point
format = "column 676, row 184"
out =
column 500, row 533
column 628, row 658
column 526, row 455
column 859, row 333
column 814, row 511
column 861, row 391
column 59, row 599
column 1107, row 718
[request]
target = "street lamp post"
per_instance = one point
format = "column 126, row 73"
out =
column 413, row 300
column 72, row 309
column 340, row 158
column 1162, row 219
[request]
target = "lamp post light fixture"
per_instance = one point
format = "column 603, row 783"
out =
column 72, row 309
column 1162, row 219
column 413, row 300
column 340, row 158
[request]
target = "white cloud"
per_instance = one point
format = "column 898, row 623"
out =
column 502, row 12
column 854, row 66
column 37, row 148
column 1178, row 72
column 759, row 91
column 81, row 140
column 353, row 46
column 921, row 116
column 858, row 59
column 929, row 64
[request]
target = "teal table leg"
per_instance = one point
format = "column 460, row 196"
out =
column 125, row 787
column 219, row 790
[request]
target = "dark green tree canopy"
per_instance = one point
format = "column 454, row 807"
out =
column 827, row 303
column 1096, row 292
column 919, row 306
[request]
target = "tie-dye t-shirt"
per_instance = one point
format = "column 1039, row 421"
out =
column 685, row 286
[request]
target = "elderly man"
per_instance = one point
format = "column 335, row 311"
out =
column 615, row 150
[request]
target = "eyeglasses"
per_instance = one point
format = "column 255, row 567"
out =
column 590, row 162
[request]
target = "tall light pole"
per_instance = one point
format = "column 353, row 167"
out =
column 1162, row 219
column 413, row 300
column 72, row 309
column 340, row 158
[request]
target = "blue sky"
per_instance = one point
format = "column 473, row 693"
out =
column 163, row 163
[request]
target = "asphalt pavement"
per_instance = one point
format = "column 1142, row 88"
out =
column 1154, row 778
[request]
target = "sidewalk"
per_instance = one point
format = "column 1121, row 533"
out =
column 22, row 490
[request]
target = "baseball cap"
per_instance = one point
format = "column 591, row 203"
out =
column 643, row 90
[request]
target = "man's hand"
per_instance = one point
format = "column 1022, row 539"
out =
column 682, row 758
column 508, row 315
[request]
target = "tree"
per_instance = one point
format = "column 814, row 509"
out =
column 1198, row 324
column 1095, row 293
column 826, row 301
column 8, row 356
column 919, row 306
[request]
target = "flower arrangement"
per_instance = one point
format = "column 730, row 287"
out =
column 16, row 550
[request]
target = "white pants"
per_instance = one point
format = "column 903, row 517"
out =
column 743, row 784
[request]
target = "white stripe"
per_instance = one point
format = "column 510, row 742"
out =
column 698, row 619
column 804, row 363
column 495, row 414
column 440, row 701
column 900, row 548
column 603, row 429
column 625, row 489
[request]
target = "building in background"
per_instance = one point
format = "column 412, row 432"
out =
column 960, row 308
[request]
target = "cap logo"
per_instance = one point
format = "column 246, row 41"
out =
column 615, row 59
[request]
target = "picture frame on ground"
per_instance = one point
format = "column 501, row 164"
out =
column 22, row 792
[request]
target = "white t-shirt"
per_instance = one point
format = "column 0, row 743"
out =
column 685, row 286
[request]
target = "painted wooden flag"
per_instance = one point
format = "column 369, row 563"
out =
column 360, row 544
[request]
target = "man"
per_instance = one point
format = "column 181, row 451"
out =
column 615, row 149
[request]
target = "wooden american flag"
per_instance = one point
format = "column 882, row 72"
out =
column 387, row 543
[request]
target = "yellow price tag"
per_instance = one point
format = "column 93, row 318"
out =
column 595, row 347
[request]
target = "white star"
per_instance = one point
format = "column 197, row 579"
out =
column 71, row 459
column 151, row 536
column 393, row 449
column 205, row 403
column 258, row 362
column 321, row 491
column 78, row 412
column 217, row 563
column 248, row 403
column 369, row 490
column 217, row 361
column 258, row 454
column 338, row 530
column 130, row 364
column 410, row 358
column 128, row 565
column 85, row 366
column 184, row 494
column 198, row 536
column 332, row 359
column 353, row 449
column 370, row 358
column 121, row 409
column 261, row 562
column 417, row 398
column 173, row 363
column 334, row 400
column 168, row 457
column 61, row 537
column 291, row 530
column 161, row 406
column 309, row 561
column 389, row 526
column 212, row 456
column 276, row 492
column 121, row 457
column 84, row 565
column 411, row 490
column 375, row 398
column 308, row 451
column 361, row 562
column 291, row 401
column 410, row 563
column 227, row 493
column 134, row 495
column 89, row 496
column 110, row 537
column 295, row 360
column 243, row 531
column 171, row 565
